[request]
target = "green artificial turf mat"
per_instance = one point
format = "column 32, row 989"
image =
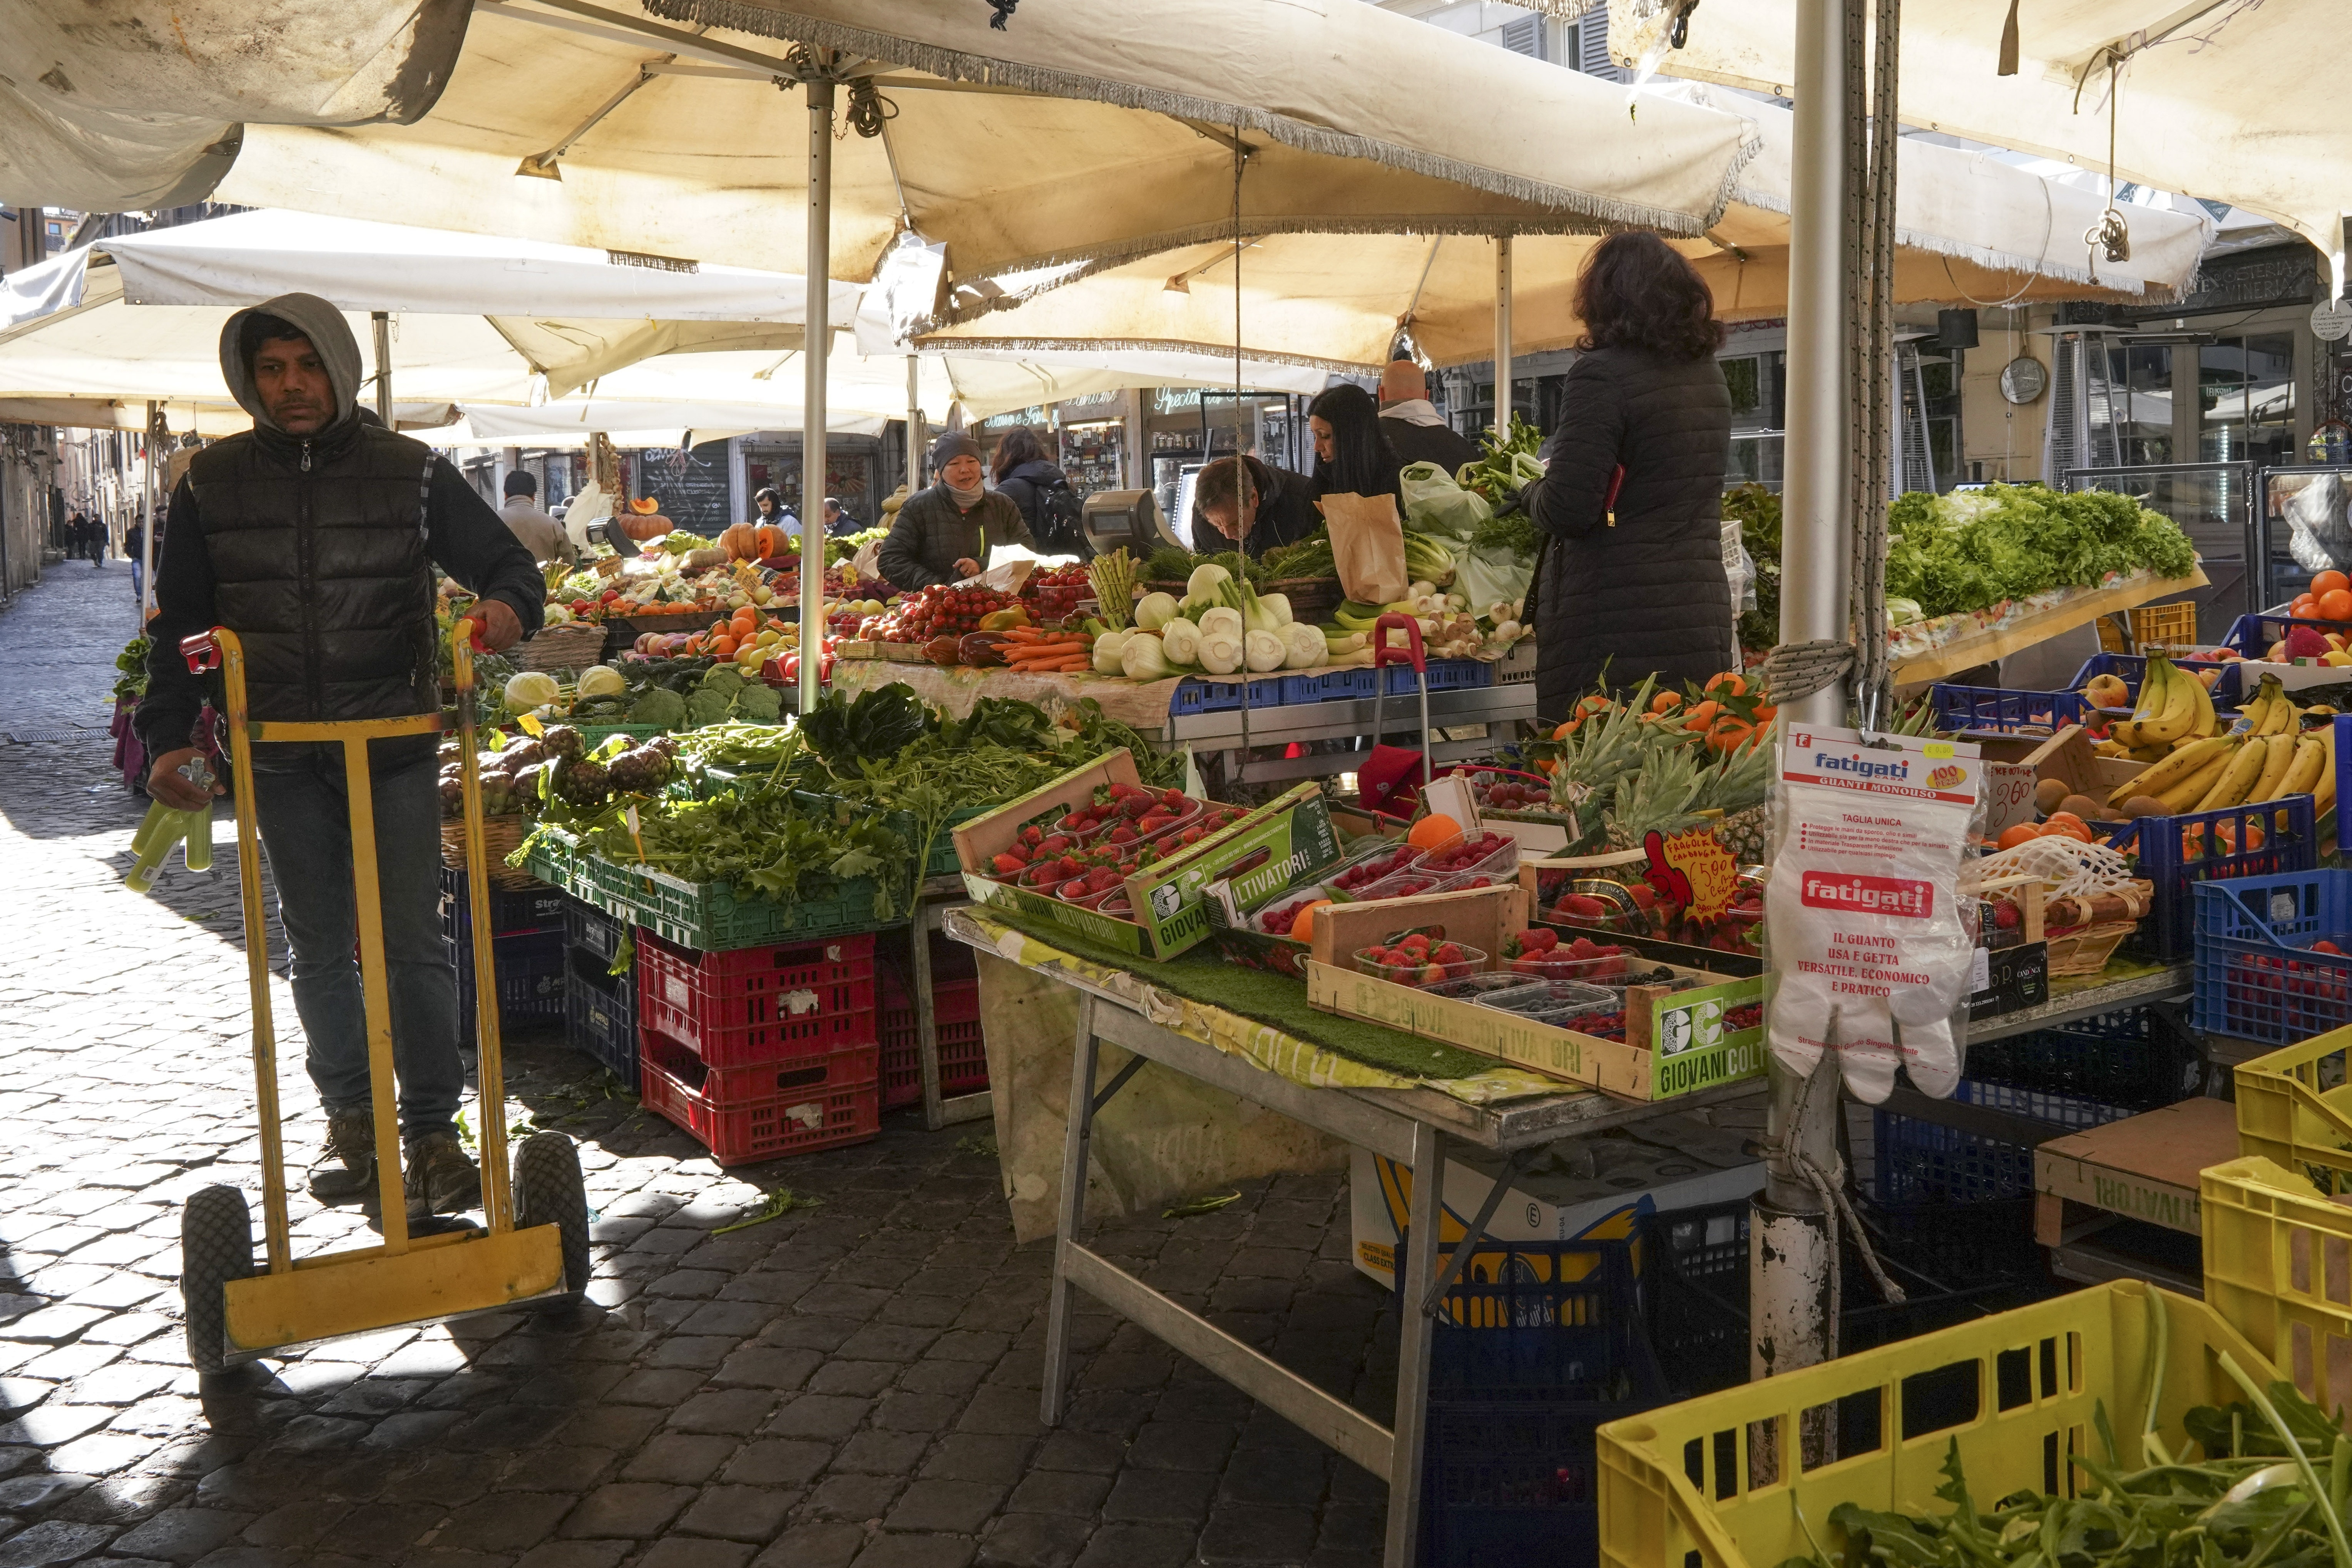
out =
column 1265, row 997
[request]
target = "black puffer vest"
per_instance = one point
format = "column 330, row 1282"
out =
column 320, row 564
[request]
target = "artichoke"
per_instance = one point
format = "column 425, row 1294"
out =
column 583, row 783
column 563, row 741
column 641, row 771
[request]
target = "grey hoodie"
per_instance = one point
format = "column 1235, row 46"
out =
column 317, row 320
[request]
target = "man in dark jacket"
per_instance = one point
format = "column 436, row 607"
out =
column 1417, row 433
column 314, row 537
column 1280, row 509
column 943, row 533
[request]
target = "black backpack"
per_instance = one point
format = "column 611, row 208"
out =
column 1059, row 511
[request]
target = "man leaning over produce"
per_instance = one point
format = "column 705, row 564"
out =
column 943, row 533
column 314, row 537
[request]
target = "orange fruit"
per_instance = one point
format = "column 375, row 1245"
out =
column 1303, row 927
column 1730, row 682
column 2304, row 609
column 1730, row 733
column 2017, row 834
column 1595, row 704
column 1664, row 703
column 2335, row 604
column 723, row 645
column 2329, row 581
column 1702, row 715
column 1565, row 730
column 2068, row 824
column 1433, row 830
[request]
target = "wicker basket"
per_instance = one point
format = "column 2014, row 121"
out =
column 501, row 836
column 1311, row 598
column 575, row 645
column 2086, row 952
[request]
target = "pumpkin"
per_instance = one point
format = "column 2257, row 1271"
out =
column 643, row 525
column 772, row 542
column 741, row 542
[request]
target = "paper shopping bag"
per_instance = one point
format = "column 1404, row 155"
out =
column 1367, row 547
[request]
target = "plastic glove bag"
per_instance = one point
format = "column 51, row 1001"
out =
column 1871, row 942
column 2318, row 537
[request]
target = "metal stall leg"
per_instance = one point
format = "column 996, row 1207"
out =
column 1077, row 1144
column 1414, row 1330
column 927, row 1030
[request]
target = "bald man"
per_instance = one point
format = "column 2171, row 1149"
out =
column 1417, row 433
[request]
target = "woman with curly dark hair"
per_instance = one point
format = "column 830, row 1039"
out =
column 1631, row 577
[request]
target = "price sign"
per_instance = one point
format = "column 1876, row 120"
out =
column 530, row 724
column 2331, row 320
column 2008, row 796
column 1698, row 871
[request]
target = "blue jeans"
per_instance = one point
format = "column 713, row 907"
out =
column 305, row 820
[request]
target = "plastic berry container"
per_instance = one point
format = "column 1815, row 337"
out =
column 1406, row 884
column 1476, row 987
column 1365, row 868
column 1074, row 892
column 1044, row 878
column 1556, row 964
column 1285, row 909
column 1551, row 996
column 1498, row 863
column 1396, row 966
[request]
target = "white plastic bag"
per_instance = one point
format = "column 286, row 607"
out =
column 1871, row 944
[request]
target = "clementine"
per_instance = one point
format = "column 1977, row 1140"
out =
column 2016, row 833
column 1731, row 682
column 2329, row 581
column 1433, row 830
column 1303, row 926
column 2335, row 604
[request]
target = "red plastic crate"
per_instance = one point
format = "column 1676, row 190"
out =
column 843, row 1066
column 757, row 1005
column 955, row 1022
column 792, row 1123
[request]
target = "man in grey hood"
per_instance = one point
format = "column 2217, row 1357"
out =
column 314, row 537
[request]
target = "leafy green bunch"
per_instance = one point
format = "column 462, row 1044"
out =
column 1972, row 550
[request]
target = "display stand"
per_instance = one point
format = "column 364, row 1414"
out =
column 1409, row 1126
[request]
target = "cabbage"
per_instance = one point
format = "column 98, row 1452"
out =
column 1142, row 658
column 532, row 688
column 1180, row 642
column 1206, row 581
column 1303, row 646
column 1107, row 648
column 556, row 615
column 601, row 680
column 1154, row 611
column 1221, row 650
column 1262, row 651
column 1221, row 618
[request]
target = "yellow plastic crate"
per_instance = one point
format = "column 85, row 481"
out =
column 2278, row 1264
column 2295, row 1109
column 1696, row 1485
column 2165, row 626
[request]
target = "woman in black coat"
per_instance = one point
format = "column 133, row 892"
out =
column 1025, row 474
column 1634, row 585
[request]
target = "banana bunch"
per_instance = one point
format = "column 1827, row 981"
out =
column 2173, row 706
column 2239, row 768
column 2271, row 711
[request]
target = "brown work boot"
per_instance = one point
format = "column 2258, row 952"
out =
column 441, row 1179
column 345, row 1168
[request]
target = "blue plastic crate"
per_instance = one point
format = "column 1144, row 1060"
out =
column 2130, row 1059
column 2253, row 634
column 537, row 909
column 1996, row 710
column 2177, row 852
column 2132, row 668
column 1330, row 685
column 588, row 927
column 529, row 972
column 1916, row 1162
column 600, row 1013
column 1523, row 1366
column 1445, row 675
column 2257, row 978
column 1195, row 695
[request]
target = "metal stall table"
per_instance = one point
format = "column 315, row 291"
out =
column 1350, row 720
column 1411, row 1127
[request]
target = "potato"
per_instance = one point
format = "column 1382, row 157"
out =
column 2141, row 806
column 2081, row 806
column 2048, row 793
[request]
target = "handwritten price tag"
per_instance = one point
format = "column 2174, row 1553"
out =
column 1709, row 869
column 2008, row 796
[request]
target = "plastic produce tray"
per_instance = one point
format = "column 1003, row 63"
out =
column 1330, row 685
column 1997, row 710
column 753, row 1006
column 1927, row 1161
column 2257, row 978
column 2177, row 852
column 2294, row 1107
column 706, row 916
column 769, row 1129
column 955, row 1028
column 2275, row 1251
column 1445, row 675
column 2016, row 1392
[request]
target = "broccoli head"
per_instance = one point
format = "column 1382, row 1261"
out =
column 759, row 702
column 708, row 706
column 661, row 706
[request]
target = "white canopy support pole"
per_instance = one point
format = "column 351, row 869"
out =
column 1503, row 335
column 1791, row 1322
column 819, row 339
column 381, row 320
column 914, row 425
column 147, row 533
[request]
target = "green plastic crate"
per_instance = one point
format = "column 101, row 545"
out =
column 706, row 916
column 594, row 734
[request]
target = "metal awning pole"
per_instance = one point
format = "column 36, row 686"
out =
column 383, row 323
column 819, row 340
column 914, row 425
column 147, row 533
column 1792, row 1317
column 1503, row 335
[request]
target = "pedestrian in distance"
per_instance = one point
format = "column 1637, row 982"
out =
column 540, row 535
column 1630, row 578
column 1416, row 432
column 315, row 537
column 1048, row 504
column 768, row 512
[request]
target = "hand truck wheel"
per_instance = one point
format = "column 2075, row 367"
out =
column 549, row 1191
column 215, row 1246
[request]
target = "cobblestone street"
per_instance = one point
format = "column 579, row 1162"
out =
column 853, row 1383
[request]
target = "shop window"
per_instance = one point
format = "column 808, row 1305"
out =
column 2131, row 413
column 2245, row 398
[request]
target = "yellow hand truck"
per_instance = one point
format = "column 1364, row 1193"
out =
column 532, row 1245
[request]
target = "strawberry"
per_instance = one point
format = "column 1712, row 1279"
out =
column 1032, row 837
column 1175, row 800
column 1433, row 974
column 1153, row 822
column 1056, row 844
column 1009, row 865
column 1579, row 909
column 1448, row 952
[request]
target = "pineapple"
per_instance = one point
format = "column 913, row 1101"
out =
column 1663, row 795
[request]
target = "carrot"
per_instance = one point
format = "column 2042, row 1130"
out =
column 1026, row 634
column 1044, row 650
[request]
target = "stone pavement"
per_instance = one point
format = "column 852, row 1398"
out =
column 853, row 1383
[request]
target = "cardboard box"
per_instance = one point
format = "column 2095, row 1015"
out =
column 1597, row 1189
column 2009, row 980
column 1288, row 839
column 1697, row 1051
